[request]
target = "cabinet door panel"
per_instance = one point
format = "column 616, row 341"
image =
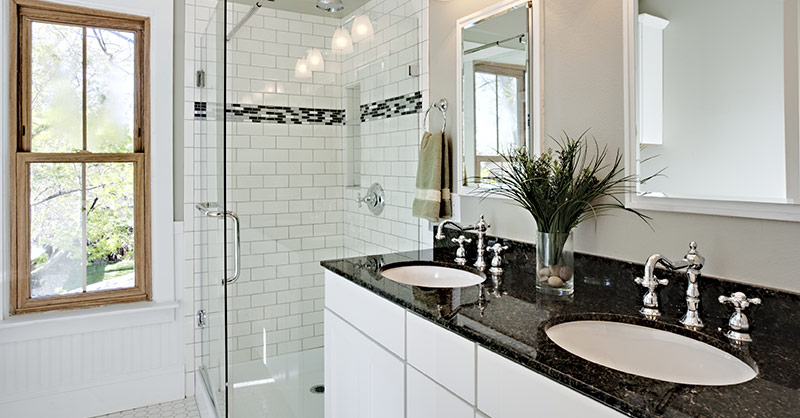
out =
column 441, row 354
column 426, row 399
column 508, row 390
column 362, row 379
column 382, row 320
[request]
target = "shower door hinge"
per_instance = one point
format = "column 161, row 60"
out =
column 202, row 318
column 200, row 80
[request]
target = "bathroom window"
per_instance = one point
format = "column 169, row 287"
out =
column 80, row 186
column 499, row 113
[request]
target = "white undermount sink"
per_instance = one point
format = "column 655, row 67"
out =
column 651, row 353
column 429, row 275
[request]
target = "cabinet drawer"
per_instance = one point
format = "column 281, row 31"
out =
column 382, row 320
column 444, row 356
column 508, row 390
column 426, row 399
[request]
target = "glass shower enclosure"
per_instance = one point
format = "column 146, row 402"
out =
column 291, row 130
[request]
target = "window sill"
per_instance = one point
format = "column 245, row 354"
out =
column 55, row 323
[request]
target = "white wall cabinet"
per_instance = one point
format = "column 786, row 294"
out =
column 382, row 361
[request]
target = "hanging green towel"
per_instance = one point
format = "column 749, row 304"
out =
column 432, row 197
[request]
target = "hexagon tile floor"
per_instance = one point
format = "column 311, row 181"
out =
column 184, row 408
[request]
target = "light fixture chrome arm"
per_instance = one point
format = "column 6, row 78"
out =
column 213, row 211
column 244, row 20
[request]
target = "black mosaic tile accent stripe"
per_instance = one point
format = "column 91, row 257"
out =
column 284, row 115
column 200, row 110
column 393, row 107
column 396, row 106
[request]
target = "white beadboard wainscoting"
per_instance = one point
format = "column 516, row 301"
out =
column 90, row 362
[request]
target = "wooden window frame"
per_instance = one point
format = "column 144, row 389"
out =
column 23, row 12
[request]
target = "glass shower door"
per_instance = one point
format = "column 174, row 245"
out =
column 211, row 216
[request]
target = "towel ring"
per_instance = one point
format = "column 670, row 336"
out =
column 441, row 105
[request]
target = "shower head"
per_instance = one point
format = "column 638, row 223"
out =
column 331, row 6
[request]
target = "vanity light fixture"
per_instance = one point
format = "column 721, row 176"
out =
column 362, row 28
column 301, row 69
column 342, row 42
column 314, row 60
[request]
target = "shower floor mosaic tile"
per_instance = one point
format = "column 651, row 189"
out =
column 183, row 408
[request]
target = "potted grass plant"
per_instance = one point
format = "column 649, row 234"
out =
column 560, row 188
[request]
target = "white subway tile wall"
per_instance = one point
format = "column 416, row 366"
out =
column 286, row 181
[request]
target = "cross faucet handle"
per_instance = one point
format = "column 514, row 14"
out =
column 461, row 253
column 497, row 260
column 738, row 323
column 651, row 282
column 497, row 249
column 650, row 299
column 739, row 301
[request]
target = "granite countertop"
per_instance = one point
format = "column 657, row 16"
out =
column 508, row 317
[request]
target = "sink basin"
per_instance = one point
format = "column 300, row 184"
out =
column 651, row 353
column 429, row 275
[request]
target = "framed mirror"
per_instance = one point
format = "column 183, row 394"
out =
column 712, row 116
column 499, row 94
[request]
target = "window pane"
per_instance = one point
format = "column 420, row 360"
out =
column 109, row 226
column 56, row 232
column 508, row 112
column 110, row 59
column 485, row 114
column 56, row 88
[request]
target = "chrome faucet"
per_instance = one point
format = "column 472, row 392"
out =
column 692, row 262
column 479, row 228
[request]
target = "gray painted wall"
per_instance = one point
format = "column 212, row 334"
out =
column 583, row 88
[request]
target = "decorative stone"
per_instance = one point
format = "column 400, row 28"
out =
column 565, row 273
column 555, row 269
column 544, row 274
column 555, row 281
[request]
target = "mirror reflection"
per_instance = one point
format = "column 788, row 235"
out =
column 494, row 56
column 717, row 93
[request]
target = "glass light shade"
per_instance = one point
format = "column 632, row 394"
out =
column 362, row 28
column 301, row 69
column 342, row 42
column 314, row 60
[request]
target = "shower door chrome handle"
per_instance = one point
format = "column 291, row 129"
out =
column 237, row 248
column 213, row 211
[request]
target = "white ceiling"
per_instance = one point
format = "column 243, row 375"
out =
column 307, row 6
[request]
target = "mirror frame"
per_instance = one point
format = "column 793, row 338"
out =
column 535, row 67
column 740, row 209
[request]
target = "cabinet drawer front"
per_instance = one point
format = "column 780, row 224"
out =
column 444, row 356
column 382, row 320
column 426, row 399
column 508, row 390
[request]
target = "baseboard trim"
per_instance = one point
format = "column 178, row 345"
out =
column 101, row 397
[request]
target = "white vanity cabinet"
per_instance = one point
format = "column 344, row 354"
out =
column 382, row 361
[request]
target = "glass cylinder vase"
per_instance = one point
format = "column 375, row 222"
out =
column 555, row 263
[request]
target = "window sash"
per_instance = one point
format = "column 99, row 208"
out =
column 498, row 70
column 26, row 12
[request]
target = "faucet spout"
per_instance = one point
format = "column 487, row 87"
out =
column 440, row 230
